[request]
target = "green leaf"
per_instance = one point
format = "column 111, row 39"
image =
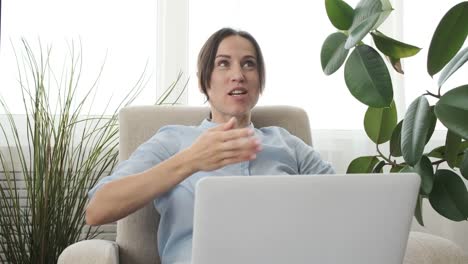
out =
column 333, row 53
column 414, row 130
column 379, row 167
column 452, row 110
column 463, row 146
column 425, row 171
column 380, row 122
column 458, row 161
column 393, row 48
column 395, row 141
column 386, row 10
column 449, row 196
column 464, row 165
column 367, row 77
column 396, row 168
column 432, row 124
column 453, row 66
column 418, row 210
column 452, row 143
column 362, row 164
column 366, row 16
column 438, row 152
column 448, row 38
column 339, row 13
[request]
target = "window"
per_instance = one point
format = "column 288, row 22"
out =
column 419, row 33
column 121, row 34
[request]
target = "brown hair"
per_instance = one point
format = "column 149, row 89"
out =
column 207, row 55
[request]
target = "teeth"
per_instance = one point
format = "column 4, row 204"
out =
column 237, row 92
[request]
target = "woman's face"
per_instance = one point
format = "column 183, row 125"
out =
column 234, row 84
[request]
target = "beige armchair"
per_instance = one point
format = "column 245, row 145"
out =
column 136, row 234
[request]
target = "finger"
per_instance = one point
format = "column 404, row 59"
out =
column 234, row 160
column 242, row 144
column 237, row 133
column 243, row 154
column 230, row 124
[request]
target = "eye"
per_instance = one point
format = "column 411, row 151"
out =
column 222, row 63
column 249, row 64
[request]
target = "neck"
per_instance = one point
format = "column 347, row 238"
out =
column 242, row 121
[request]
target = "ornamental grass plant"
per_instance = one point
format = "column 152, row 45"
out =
column 54, row 155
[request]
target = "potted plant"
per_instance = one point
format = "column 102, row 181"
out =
column 367, row 78
column 65, row 150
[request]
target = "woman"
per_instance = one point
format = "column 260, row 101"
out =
column 165, row 168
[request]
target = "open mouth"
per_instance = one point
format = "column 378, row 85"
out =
column 238, row 92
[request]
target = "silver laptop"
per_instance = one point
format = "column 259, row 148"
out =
column 319, row 219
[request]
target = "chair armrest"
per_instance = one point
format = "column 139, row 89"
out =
column 424, row 248
column 91, row 252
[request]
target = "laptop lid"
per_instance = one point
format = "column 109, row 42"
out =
column 359, row 218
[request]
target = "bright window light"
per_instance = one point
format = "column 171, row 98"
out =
column 120, row 33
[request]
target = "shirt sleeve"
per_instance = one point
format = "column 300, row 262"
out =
column 309, row 160
column 158, row 148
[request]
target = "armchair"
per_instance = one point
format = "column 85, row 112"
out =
column 136, row 234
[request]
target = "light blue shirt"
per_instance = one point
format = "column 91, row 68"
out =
column 282, row 153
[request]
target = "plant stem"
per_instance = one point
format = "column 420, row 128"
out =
column 433, row 95
column 438, row 162
column 390, row 162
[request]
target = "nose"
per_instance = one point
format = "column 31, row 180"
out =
column 237, row 74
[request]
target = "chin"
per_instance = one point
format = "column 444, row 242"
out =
column 242, row 112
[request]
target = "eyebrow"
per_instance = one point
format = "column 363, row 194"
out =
column 228, row 56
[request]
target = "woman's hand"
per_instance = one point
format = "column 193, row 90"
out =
column 223, row 145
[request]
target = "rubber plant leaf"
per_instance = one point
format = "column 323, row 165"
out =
column 339, row 13
column 379, row 167
column 453, row 66
column 418, row 210
column 379, row 123
column 461, row 150
column 448, row 38
column 449, row 196
column 367, row 77
column 452, row 143
column 386, row 10
column 333, row 53
column 366, row 16
column 425, row 171
column 432, row 124
column 395, row 141
column 452, row 110
column 393, row 48
column 414, row 130
column 362, row 164
column 464, row 165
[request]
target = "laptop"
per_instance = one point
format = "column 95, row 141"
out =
column 298, row 219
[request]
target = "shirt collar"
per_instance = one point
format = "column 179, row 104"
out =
column 206, row 124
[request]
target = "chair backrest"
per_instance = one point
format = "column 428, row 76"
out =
column 136, row 233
